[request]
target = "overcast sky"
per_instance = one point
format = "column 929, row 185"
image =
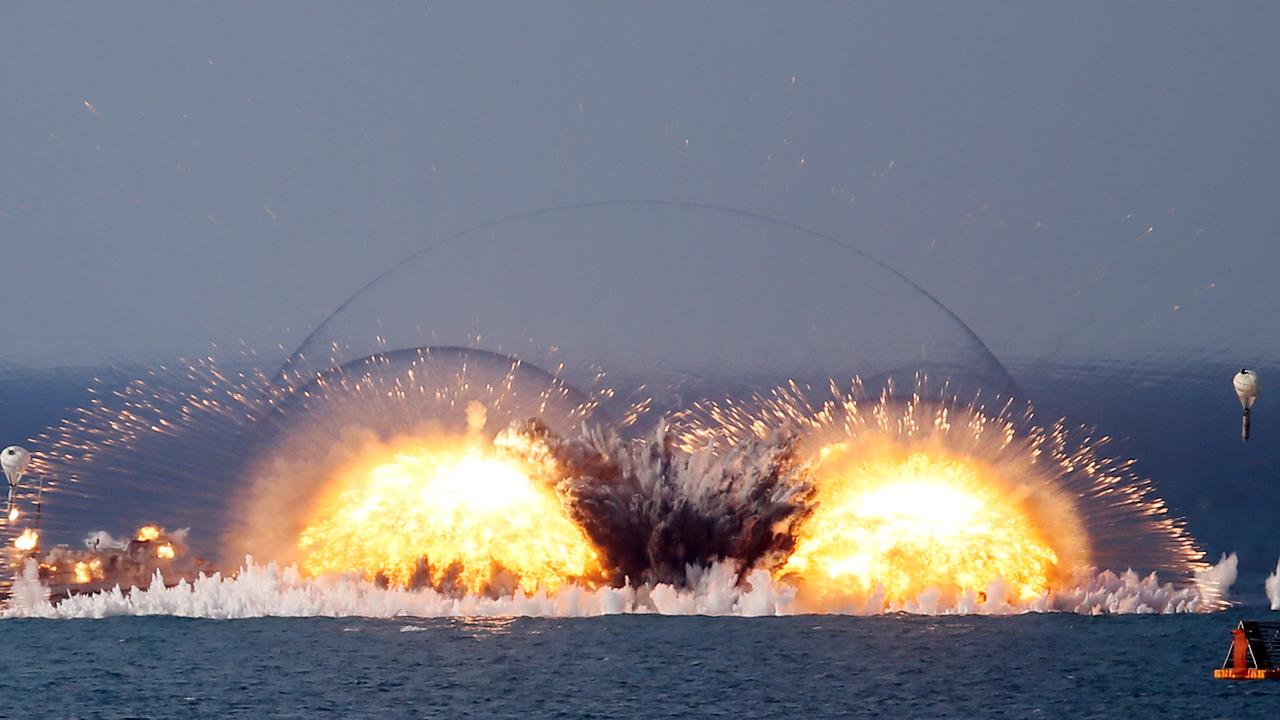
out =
column 1072, row 179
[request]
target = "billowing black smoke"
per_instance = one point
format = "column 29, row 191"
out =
column 654, row 511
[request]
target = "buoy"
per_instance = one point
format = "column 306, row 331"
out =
column 1254, row 653
column 1247, row 387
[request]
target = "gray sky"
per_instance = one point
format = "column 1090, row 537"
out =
column 1072, row 179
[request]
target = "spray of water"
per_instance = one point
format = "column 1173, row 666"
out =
column 1272, row 586
column 256, row 590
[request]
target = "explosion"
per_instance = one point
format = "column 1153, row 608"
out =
column 86, row 571
column 380, row 469
column 903, row 522
column 451, row 512
column 27, row 541
column 920, row 500
column 146, row 533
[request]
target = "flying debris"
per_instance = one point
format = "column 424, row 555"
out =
column 1247, row 387
column 14, row 460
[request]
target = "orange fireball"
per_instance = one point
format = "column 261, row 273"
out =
column 447, row 511
column 894, row 521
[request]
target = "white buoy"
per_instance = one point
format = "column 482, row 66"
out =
column 14, row 461
column 1247, row 385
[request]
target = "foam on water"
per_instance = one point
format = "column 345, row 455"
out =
column 273, row 591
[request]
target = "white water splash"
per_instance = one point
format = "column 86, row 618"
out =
column 1272, row 585
column 1215, row 581
column 271, row 591
column 103, row 540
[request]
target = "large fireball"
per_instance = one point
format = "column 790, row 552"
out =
column 452, row 512
column 900, row 522
column 927, row 503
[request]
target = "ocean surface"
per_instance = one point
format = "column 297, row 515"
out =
column 1032, row 666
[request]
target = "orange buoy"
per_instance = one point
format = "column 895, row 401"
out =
column 1254, row 653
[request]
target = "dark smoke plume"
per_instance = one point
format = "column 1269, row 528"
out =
column 655, row 511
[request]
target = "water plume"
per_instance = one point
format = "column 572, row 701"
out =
column 270, row 590
column 1272, row 586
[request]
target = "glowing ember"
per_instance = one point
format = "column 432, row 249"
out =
column 147, row 533
column 907, row 522
column 474, row 516
column 27, row 541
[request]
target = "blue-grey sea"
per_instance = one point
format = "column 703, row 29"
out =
column 1034, row 666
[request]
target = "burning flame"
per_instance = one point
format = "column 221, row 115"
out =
column 485, row 522
column 900, row 522
column 88, row 571
column 147, row 533
column 165, row 552
column 13, row 514
column 27, row 541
